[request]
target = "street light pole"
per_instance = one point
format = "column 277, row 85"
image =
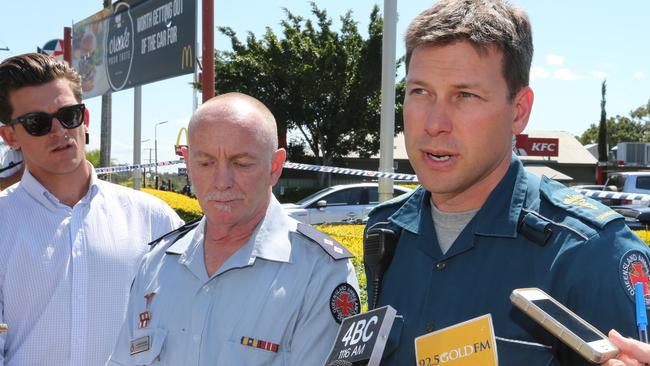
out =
column 155, row 136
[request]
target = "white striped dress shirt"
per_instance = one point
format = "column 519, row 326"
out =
column 65, row 273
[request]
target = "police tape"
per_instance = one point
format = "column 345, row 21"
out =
column 374, row 174
column 126, row 168
column 287, row 165
column 348, row 171
column 614, row 195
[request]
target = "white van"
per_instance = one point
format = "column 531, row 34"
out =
column 630, row 182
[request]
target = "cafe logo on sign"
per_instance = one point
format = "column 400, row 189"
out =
column 119, row 52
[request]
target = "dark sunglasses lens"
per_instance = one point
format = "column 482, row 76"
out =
column 70, row 117
column 37, row 124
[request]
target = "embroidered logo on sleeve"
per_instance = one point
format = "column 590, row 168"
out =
column 344, row 302
column 257, row 343
column 633, row 269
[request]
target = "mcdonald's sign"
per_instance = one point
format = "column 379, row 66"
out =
column 178, row 147
column 187, row 57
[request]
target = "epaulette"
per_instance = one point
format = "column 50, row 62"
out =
column 174, row 235
column 583, row 208
column 329, row 245
column 393, row 201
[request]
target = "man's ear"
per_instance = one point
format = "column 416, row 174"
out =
column 523, row 103
column 8, row 134
column 279, row 156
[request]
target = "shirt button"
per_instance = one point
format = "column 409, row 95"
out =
column 441, row 265
column 206, row 289
column 429, row 327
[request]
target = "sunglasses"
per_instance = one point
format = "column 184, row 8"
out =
column 40, row 123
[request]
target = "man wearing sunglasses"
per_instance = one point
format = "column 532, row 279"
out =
column 69, row 242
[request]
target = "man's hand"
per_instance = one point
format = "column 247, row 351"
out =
column 633, row 352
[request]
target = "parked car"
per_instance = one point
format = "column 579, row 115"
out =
column 630, row 182
column 637, row 217
column 341, row 203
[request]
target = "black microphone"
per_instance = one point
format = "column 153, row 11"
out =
column 378, row 250
column 361, row 338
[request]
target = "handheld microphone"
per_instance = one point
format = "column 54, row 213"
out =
column 361, row 338
column 378, row 250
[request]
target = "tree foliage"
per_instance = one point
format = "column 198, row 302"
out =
column 324, row 84
column 632, row 128
column 602, row 127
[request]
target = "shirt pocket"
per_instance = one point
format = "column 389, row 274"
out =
column 513, row 352
column 234, row 353
column 155, row 342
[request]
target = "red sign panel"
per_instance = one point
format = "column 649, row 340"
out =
column 537, row 146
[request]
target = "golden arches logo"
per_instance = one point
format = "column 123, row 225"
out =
column 178, row 146
column 187, row 57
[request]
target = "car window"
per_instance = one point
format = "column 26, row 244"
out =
column 343, row 197
column 306, row 199
column 374, row 195
column 643, row 182
column 616, row 180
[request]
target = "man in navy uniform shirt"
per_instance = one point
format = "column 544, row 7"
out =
column 480, row 226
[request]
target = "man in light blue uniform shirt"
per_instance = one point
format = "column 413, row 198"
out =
column 247, row 284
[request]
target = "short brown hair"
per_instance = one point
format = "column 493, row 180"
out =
column 482, row 23
column 32, row 69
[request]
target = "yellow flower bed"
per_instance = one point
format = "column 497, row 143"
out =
column 351, row 236
column 187, row 208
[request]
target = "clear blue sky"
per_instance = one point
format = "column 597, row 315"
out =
column 577, row 44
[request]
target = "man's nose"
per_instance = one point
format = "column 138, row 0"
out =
column 223, row 178
column 57, row 127
column 437, row 120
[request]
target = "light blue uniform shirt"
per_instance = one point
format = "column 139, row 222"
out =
column 276, row 288
column 65, row 272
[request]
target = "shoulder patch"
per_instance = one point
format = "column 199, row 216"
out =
column 329, row 245
column 176, row 234
column 632, row 269
column 580, row 206
column 344, row 302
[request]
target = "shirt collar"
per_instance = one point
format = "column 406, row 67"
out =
column 270, row 241
column 497, row 217
column 37, row 191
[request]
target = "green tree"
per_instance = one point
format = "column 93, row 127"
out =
column 324, row 84
column 93, row 157
column 619, row 129
column 602, row 128
column 632, row 128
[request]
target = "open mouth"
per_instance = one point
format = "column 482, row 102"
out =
column 62, row 148
column 438, row 157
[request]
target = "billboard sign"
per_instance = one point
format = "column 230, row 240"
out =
column 134, row 43
column 537, row 146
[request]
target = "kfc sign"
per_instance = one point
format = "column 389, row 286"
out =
column 532, row 146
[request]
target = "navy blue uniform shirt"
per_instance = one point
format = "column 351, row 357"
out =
column 587, row 262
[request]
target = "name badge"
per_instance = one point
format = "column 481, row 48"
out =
column 139, row 345
column 468, row 343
